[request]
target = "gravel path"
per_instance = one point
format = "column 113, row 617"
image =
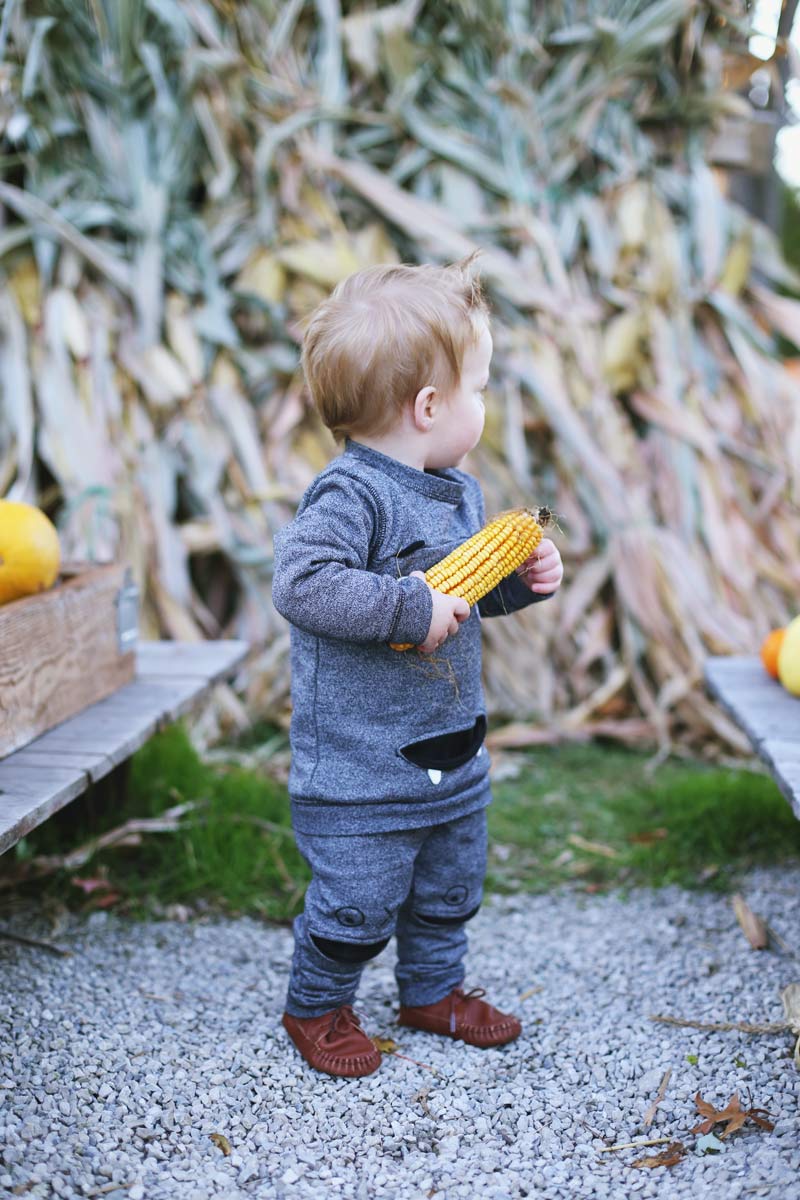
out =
column 121, row 1061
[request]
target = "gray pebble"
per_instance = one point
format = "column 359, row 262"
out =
column 104, row 1084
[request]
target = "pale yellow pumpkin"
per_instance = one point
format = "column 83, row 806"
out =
column 30, row 554
column 789, row 658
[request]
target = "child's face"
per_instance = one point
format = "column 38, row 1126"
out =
column 459, row 422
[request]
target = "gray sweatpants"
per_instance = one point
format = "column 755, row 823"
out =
column 419, row 884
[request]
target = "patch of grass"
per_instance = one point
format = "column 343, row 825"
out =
column 686, row 823
column 235, row 849
column 594, row 816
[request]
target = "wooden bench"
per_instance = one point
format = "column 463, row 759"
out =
column 46, row 774
column 766, row 712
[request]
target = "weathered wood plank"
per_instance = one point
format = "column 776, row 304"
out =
column 21, row 782
column 210, row 660
column 117, row 737
column 34, row 757
column 60, row 653
column 23, row 808
column 781, row 750
column 769, row 715
column 760, row 725
column 167, row 699
column 748, row 689
column 50, row 771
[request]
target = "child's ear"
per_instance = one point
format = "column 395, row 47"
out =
column 424, row 408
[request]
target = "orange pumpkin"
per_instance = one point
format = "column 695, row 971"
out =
column 770, row 650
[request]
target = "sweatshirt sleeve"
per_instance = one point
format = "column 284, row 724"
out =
column 320, row 579
column 510, row 595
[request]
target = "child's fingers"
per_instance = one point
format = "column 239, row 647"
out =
column 544, row 560
column 546, row 583
column 542, row 587
column 548, row 576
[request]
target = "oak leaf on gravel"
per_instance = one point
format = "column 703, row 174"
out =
column 668, row 1157
column 733, row 1116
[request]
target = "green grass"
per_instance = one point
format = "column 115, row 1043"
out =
column 685, row 822
column 234, row 850
column 590, row 816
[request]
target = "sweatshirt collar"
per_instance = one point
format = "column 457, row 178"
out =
column 437, row 484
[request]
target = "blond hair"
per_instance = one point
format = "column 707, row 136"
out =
column 385, row 333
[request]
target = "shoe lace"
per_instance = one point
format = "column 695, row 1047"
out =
column 343, row 1020
column 457, row 995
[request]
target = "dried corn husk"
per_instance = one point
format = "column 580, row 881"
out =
column 227, row 168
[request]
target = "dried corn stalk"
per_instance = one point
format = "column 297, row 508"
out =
column 184, row 181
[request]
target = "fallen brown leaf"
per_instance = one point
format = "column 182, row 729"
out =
column 220, row 1140
column 388, row 1046
column 733, row 1116
column 752, row 925
column 385, row 1045
column 668, row 1157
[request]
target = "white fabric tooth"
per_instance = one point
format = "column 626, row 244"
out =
column 434, row 775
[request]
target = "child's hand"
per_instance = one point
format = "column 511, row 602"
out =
column 448, row 613
column 543, row 571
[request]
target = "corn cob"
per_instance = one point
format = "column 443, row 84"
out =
column 491, row 554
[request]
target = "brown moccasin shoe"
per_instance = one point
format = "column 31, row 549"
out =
column 334, row 1043
column 465, row 1017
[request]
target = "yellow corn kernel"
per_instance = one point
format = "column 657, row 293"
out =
column 491, row 554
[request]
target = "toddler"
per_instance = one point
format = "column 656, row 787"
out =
column 389, row 776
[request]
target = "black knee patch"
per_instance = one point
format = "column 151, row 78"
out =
column 349, row 952
column 448, row 920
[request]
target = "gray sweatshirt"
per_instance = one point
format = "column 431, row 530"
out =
column 381, row 739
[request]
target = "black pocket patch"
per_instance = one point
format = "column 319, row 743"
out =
column 447, row 751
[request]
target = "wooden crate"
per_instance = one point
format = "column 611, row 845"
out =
column 64, row 649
